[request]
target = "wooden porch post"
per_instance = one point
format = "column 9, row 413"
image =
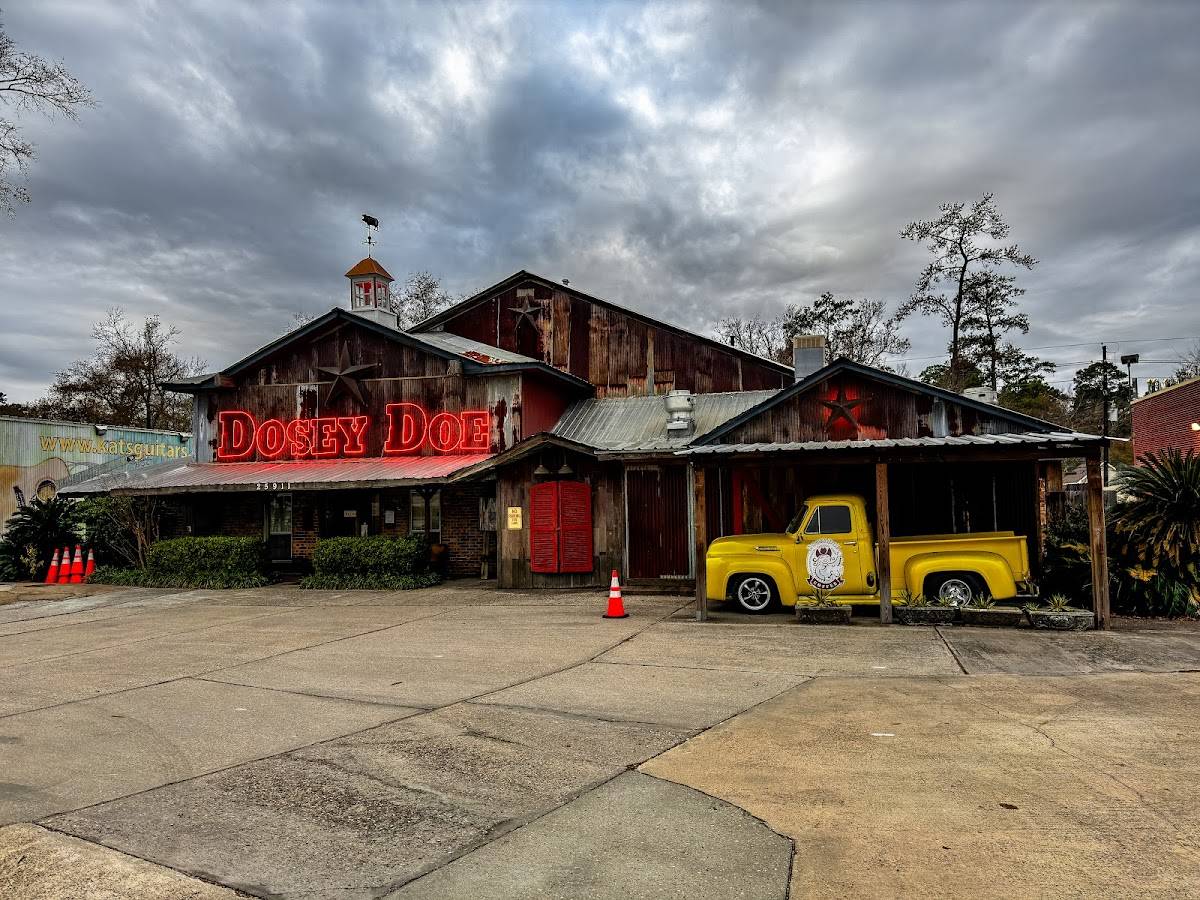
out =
column 1096, row 541
column 883, row 533
column 699, row 530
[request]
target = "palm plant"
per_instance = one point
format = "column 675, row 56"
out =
column 39, row 527
column 1160, row 513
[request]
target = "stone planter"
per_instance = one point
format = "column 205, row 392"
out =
column 996, row 617
column 1066, row 620
column 924, row 615
column 808, row 614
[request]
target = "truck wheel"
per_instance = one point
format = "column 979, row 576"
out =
column 754, row 593
column 954, row 588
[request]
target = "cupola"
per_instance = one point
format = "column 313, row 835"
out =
column 370, row 287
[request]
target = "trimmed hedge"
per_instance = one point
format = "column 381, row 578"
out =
column 370, row 582
column 207, row 557
column 145, row 578
column 381, row 563
column 195, row 562
column 380, row 555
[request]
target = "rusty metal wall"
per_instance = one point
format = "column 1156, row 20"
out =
column 620, row 354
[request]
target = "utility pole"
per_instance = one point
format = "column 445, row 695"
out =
column 1104, row 414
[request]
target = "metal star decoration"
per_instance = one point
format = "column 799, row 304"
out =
column 346, row 378
column 528, row 309
column 842, row 407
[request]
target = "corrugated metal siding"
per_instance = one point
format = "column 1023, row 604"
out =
column 966, row 440
column 640, row 423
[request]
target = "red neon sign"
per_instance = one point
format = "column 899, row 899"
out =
column 410, row 428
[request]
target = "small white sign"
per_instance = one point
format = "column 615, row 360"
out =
column 349, row 513
column 389, row 517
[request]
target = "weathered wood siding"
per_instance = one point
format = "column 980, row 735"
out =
column 608, row 525
column 288, row 385
column 620, row 354
column 885, row 411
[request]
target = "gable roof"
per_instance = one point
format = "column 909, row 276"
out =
column 639, row 424
column 369, row 266
column 439, row 319
column 1025, row 423
column 478, row 359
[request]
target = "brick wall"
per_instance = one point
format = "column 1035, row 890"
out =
column 1164, row 419
column 460, row 527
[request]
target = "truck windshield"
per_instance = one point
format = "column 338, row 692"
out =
column 798, row 519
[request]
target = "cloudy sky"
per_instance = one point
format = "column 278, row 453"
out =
column 690, row 161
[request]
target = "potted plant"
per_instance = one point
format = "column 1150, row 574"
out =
column 1059, row 615
column 982, row 610
column 823, row 609
column 917, row 609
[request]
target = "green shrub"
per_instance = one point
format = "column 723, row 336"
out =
column 34, row 532
column 195, row 558
column 379, row 556
column 146, row 578
column 370, row 582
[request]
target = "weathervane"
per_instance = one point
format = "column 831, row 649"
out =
column 372, row 224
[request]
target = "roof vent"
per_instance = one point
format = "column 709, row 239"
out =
column 681, row 420
column 982, row 394
column 808, row 354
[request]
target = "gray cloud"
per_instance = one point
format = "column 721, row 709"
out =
column 690, row 161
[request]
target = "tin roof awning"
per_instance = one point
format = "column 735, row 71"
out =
column 1058, row 440
column 299, row 475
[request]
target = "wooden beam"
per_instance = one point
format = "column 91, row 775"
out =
column 883, row 535
column 1096, row 541
column 699, row 530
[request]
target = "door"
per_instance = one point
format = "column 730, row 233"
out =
column 657, row 513
column 830, row 556
column 279, row 528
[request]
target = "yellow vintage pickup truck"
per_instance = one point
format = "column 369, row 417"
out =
column 830, row 545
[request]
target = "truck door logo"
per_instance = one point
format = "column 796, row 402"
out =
column 825, row 564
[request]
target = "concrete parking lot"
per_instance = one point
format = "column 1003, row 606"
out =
column 465, row 742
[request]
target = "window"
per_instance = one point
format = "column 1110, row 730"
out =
column 418, row 523
column 829, row 520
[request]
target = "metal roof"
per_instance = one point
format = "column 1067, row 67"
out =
column 475, row 350
column 309, row 474
column 639, row 424
column 965, row 440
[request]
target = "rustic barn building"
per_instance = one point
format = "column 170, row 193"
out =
column 546, row 437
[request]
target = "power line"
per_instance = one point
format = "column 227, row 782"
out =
column 1094, row 343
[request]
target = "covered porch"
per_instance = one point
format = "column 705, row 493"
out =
column 911, row 486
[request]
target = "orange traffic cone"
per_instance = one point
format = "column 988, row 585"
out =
column 77, row 566
column 616, row 606
column 91, row 565
column 64, row 569
column 52, row 572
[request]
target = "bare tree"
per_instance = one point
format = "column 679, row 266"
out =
column 1189, row 364
column 763, row 337
column 860, row 330
column 30, row 83
column 953, row 240
column 420, row 297
column 121, row 383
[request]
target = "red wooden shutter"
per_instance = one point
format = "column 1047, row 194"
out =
column 543, row 527
column 575, row 526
